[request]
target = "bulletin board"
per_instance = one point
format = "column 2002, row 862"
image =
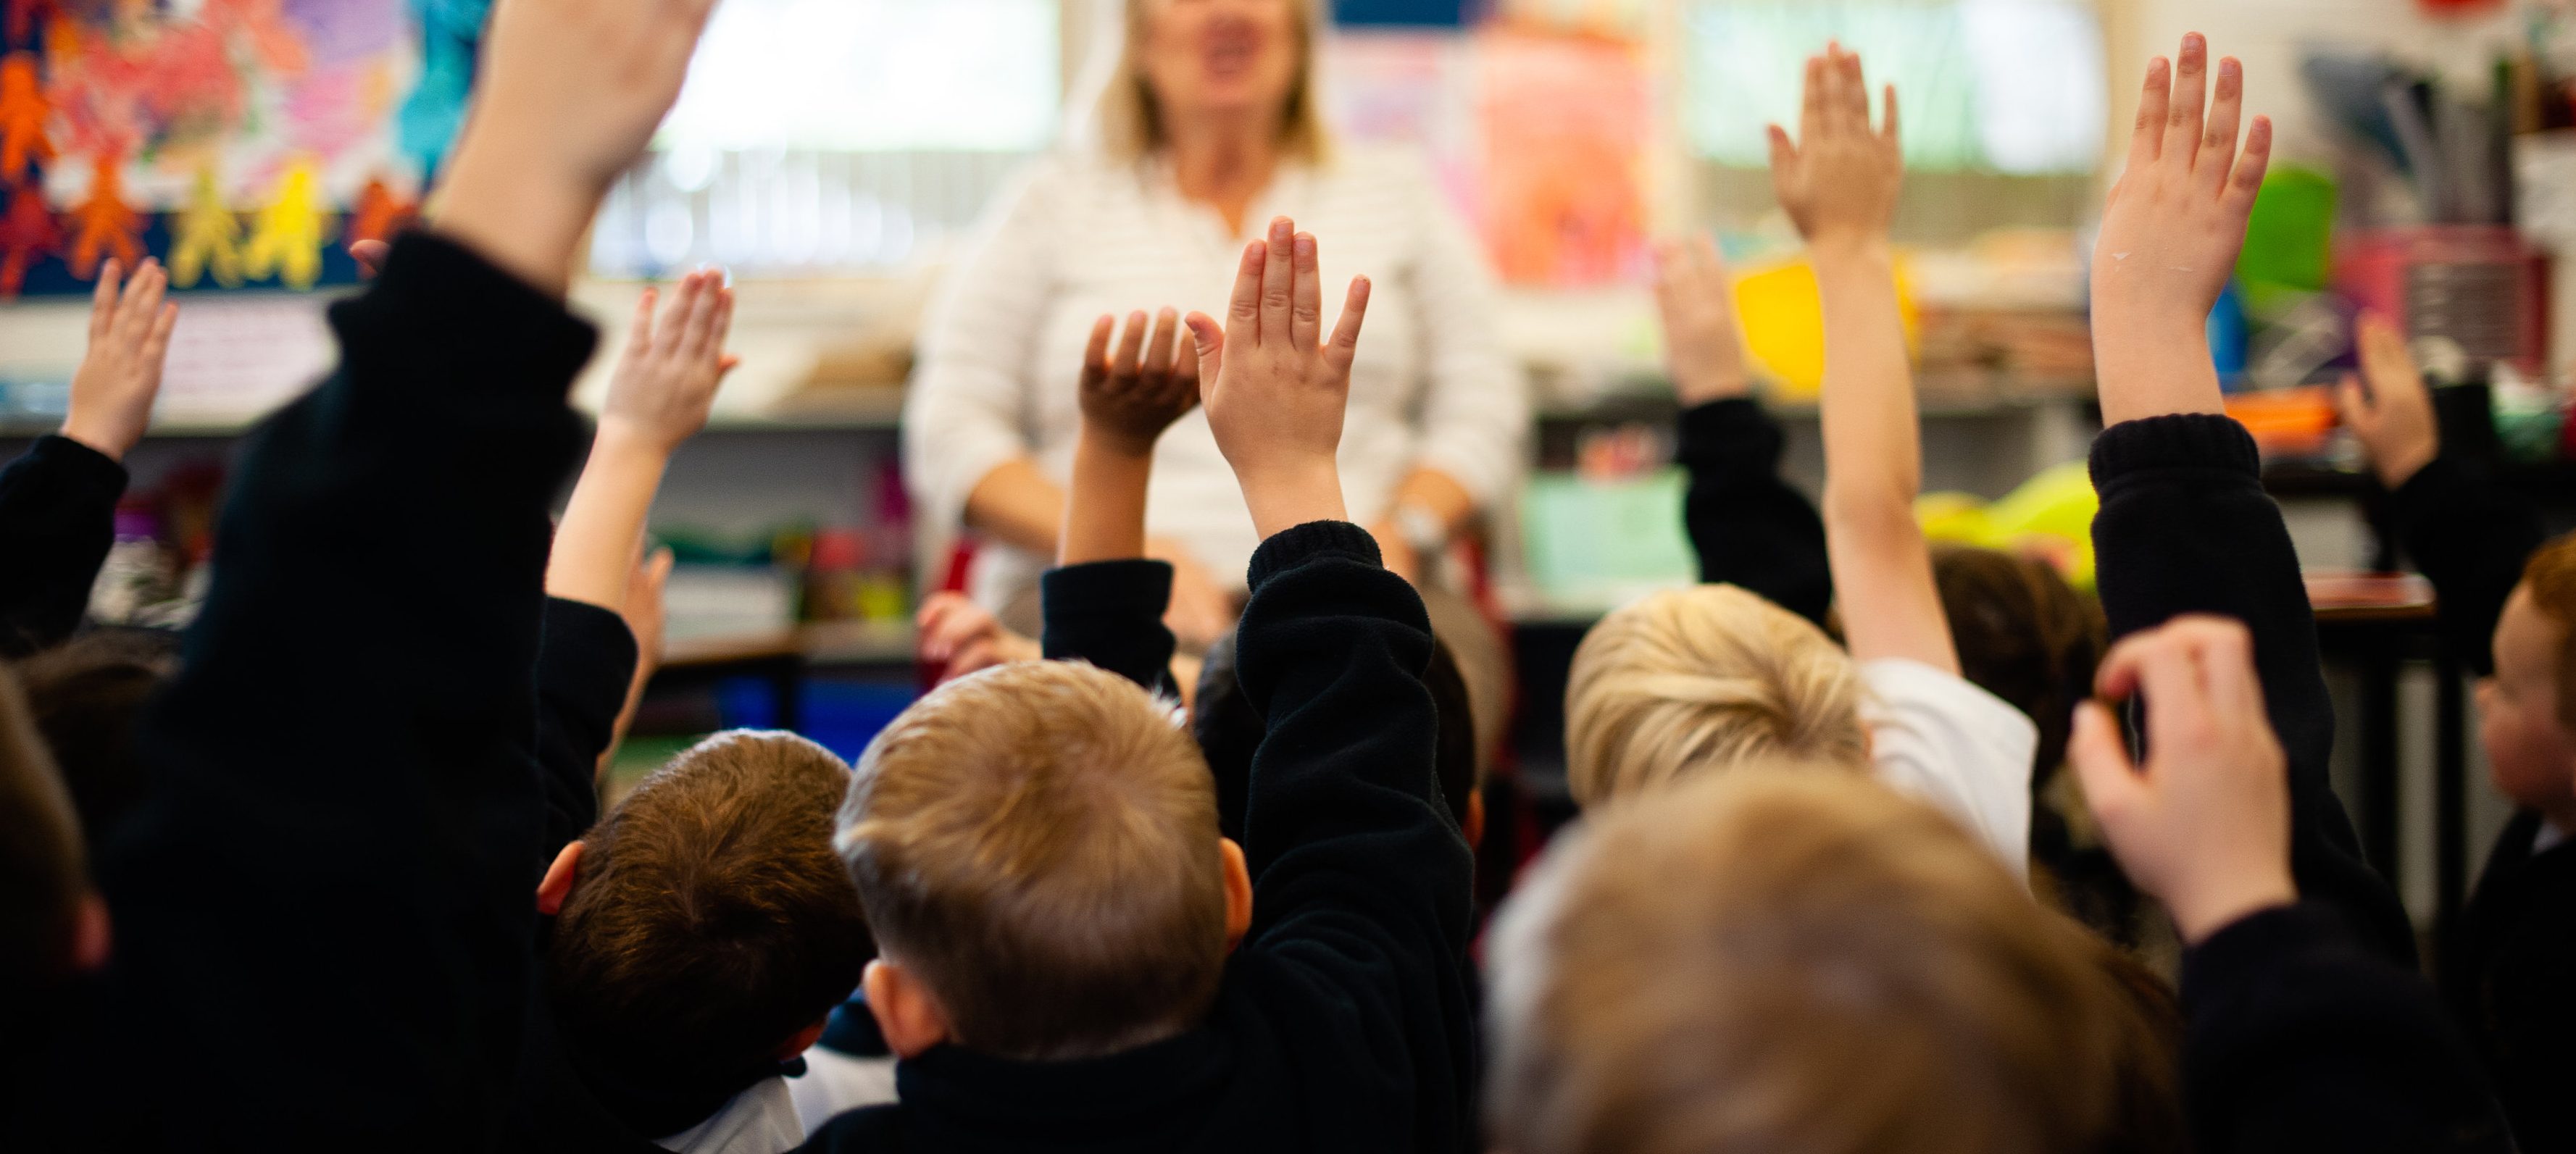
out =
column 247, row 143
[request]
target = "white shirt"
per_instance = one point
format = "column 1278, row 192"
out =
column 760, row 1120
column 1938, row 737
column 835, row 1083
column 1001, row 348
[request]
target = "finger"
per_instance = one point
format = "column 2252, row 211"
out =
column 719, row 330
column 674, row 323
column 2351, row 403
column 1306, row 324
column 1095, row 353
column 156, row 344
column 657, row 572
column 1784, row 152
column 1346, row 335
column 102, row 304
column 2111, row 781
column 2177, row 700
column 2218, row 141
column 1209, row 342
column 370, row 255
column 139, row 304
column 1811, row 113
column 1855, row 94
column 1888, row 130
column 699, row 339
column 1243, row 314
column 1158, row 348
column 1278, row 282
column 1131, row 342
column 2251, row 166
column 2385, row 358
column 978, row 655
column 2190, row 94
column 2226, row 655
column 639, row 334
column 2146, row 141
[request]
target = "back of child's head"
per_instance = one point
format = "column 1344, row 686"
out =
column 711, row 922
column 1782, row 959
column 2024, row 635
column 1705, row 678
column 43, row 869
column 1229, row 730
column 87, row 695
column 1037, row 844
column 2549, row 579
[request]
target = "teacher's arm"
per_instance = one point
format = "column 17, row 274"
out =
column 1475, row 409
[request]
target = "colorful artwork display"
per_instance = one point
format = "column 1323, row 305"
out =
column 247, row 143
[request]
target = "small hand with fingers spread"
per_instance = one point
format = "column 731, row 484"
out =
column 959, row 637
column 1703, row 344
column 2394, row 418
column 1839, row 180
column 2204, row 825
column 666, row 382
column 1275, row 387
column 120, row 375
column 1129, row 399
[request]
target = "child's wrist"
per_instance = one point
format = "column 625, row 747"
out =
column 1286, row 495
column 98, row 435
column 1846, row 248
column 2201, row 913
column 1111, row 445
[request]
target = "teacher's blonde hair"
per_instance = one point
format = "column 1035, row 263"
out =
column 1126, row 121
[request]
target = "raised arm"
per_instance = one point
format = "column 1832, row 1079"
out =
column 1104, row 602
column 357, row 695
column 58, row 503
column 2297, row 1037
column 1839, row 183
column 1360, row 879
column 1749, row 527
column 2185, row 525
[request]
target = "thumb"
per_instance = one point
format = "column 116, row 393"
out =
column 1210, row 339
column 1783, row 153
column 2111, row 781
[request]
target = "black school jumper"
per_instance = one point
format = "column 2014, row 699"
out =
column 2505, row 966
column 57, row 521
column 328, row 892
column 1343, row 1023
column 2305, row 1027
column 1750, row 528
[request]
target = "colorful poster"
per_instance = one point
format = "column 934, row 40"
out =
column 245, row 142
column 1567, row 120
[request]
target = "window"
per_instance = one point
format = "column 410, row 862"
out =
column 836, row 136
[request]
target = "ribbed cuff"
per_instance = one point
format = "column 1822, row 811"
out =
column 2255, row 942
column 1315, row 540
column 78, row 468
column 440, row 309
column 1132, row 590
column 2174, row 441
column 1733, row 433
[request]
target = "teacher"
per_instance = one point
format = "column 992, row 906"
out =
column 1207, row 127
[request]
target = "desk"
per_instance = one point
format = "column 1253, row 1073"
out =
column 2379, row 623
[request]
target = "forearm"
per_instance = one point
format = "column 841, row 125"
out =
column 1104, row 520
column 2152, row 365
column 1017, row 505
column 595, row 547
column 491, row 203
column 1880, row 564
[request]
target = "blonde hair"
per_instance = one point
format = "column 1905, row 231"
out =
column 1705, row 677
column 1038, row 844
column 1126, row 120
column 1787, row 960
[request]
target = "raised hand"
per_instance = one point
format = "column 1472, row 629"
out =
column 666, row 381
column 120, row 374
column 1703, row 345
column 959, row 637
column 2394, row 418
column 569, row 93
column 2171, row 235
column 1129, row 399
column 1275, row 387
column 2204, row 825
column 1839, row 180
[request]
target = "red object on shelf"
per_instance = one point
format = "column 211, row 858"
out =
column 2483, row 286
column 2458, row 7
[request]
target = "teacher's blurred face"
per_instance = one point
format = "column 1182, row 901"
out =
column 1221, row 57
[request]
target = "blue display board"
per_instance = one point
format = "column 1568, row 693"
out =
column 1406, row 13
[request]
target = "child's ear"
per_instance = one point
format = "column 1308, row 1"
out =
column 1474, row 827
column 557, row 886
column 905, row 1012
column 804, row 1039
column 1238, row 893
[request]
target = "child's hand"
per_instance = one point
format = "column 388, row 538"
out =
column 666, row 382
column 1128, row 402
column 1839, row 180
column 960, row 637
column 2170, row 238
column 1275, row 389
column 1703, row 348
column 129, row 338
column 2205, row 824
column 2394, row 419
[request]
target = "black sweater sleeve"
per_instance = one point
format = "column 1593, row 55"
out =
column 2185, row 527
column 585, row 664
column 1110, row 613
column 1360, row 879
column 346, row 824
column 2471, row 536
column 57, row 520
column 1749, row 527
column 2298, row 1038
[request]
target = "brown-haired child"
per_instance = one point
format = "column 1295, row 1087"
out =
column 1340, row 1021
